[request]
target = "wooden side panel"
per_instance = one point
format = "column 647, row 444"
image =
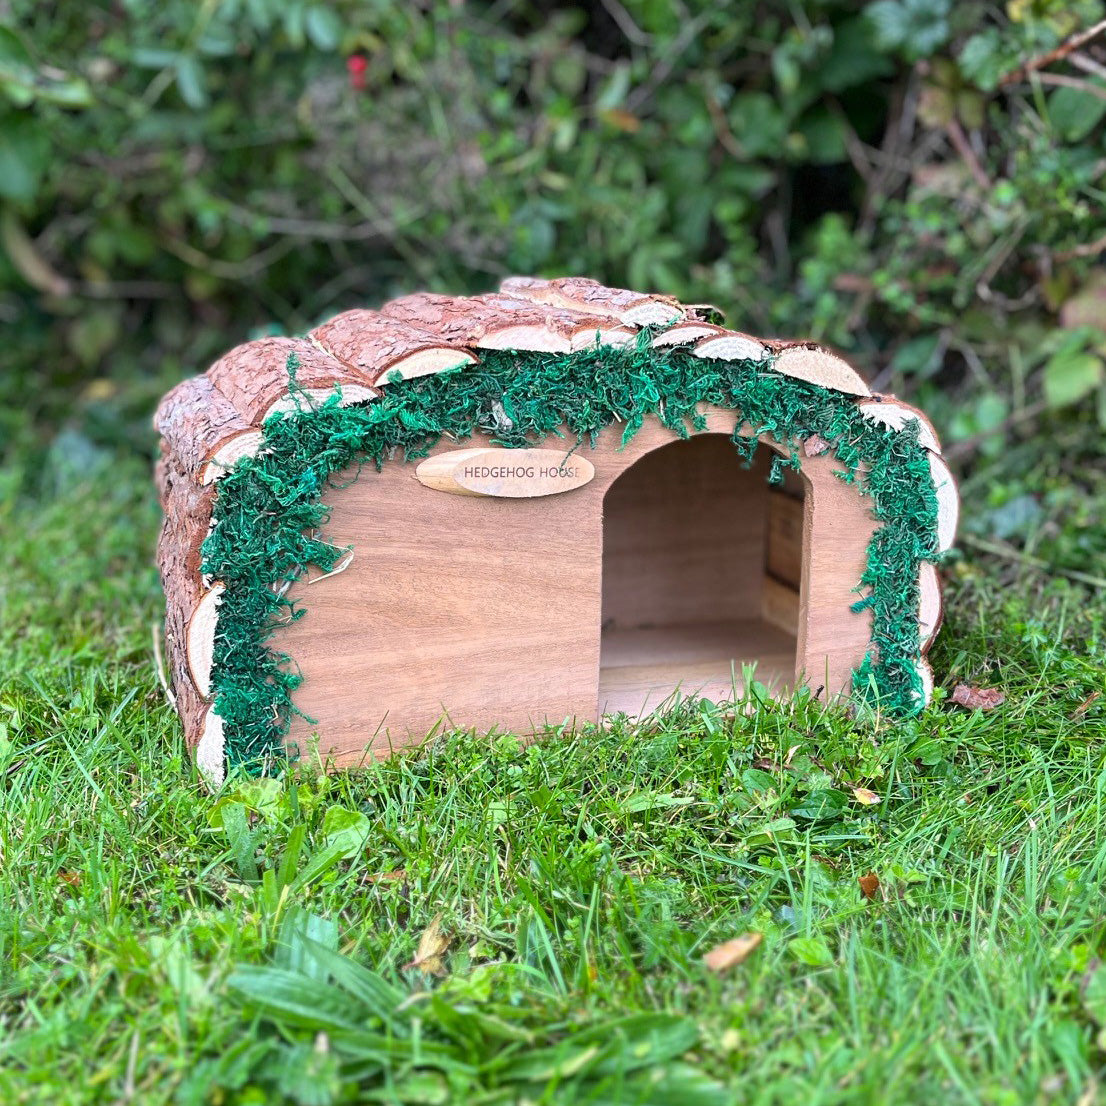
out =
column 780, row 605
column 784, row 553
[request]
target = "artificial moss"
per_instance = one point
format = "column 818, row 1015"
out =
column 270, row 507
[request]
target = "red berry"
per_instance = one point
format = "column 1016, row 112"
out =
column 356, row 64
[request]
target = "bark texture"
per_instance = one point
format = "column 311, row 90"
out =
column 254, row 376
column 583, row 294
column 375, row 345
column 188, row 419
column 477, row 320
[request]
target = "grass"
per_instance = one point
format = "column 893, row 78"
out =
column 158, row 944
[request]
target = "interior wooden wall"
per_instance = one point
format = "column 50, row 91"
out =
column 684, row 535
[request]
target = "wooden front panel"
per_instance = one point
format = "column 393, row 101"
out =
column 455, row 611
column 485, row 612
column 837, row 527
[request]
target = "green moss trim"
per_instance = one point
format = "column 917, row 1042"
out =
column 268, row 507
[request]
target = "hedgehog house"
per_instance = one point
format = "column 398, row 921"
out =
column 529, row 508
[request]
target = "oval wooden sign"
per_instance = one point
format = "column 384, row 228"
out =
column 506, row 473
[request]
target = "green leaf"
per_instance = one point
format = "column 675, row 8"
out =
column 854, row 57
column 811, row 950
column 94, row 332
column 917, row 27
column 66, row 92
column 1075, row 113
column 641, row 801
column 758, row 122
column 23, row 82
column 323, row 28
column 243, row 843
column 191, row 82
column 984, row 60
column 820, row 804
column 991, row 411
column 1070, row 375
column 613, row 91
column 304, row 938
column 756, row 780
column 824, row 137
column 24, row 155
column 420, row 1088
column 345, row 830
column 295, row 999
column 1094, row 995
column 918, row 357
column 17, row 69
column 674, row 1085
column 153, row 57
column 13, row 50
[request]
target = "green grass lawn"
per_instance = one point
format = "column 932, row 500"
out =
column 158, row 944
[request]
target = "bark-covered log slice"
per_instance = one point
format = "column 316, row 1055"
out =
column 257, row 377
column 895, row 414
column 503, row 322
column 593, row 298
column 378, row 347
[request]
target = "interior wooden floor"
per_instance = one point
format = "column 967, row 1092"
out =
column 640, row 668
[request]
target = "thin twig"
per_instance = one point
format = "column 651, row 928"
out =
column 1087, row 249
column 1072, row 82
column 1088, row 65
column 127, row 289
column 964, row 148
column 626, row 23
column 640, row 95
column 1000, row 549
column 967, row 446
column 312, row 228
column 159, row 664
column 229, row 270
column 1080, row 38
column 340, row 567
column 726, row 138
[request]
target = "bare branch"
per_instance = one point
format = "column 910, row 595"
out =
column 1080, row 38
column 1065, row 81
column 626, row 23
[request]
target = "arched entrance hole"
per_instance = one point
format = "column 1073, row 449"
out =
column 702, row 572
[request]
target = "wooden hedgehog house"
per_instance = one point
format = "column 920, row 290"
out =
column 542, row 505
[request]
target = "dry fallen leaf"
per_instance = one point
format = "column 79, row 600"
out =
column 1085, row 705
column 622, row 120
column 869, row 885
column 432, row 946
column 815, row 445
column 865, row 797
column 385, row 877
column 72, row 878
column 731, row 953
column 978, row 698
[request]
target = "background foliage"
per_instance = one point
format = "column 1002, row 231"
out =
column 892, row 178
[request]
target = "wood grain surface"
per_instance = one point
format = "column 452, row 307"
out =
column 487, row 613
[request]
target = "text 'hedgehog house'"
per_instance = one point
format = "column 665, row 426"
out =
column 546, row 504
